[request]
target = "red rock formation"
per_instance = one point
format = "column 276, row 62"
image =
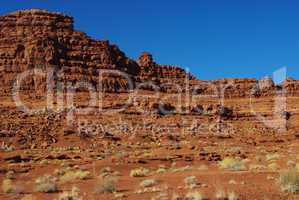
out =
column 45, row 40
column 167, row 77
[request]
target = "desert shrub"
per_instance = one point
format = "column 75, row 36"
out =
column 106, row 185
column 161, row 170
column 148, row 183
column 140, row 172
column 193, row 196
column 46, row 184
column 60, row 172
column 73, row 195
column 72, row 175
column 289, row 181
column 233, row 164
column 9, row 187
column 232, row 196
column 106, row 170
column 190, row 181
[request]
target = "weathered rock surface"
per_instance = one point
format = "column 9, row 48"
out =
column 38, row 39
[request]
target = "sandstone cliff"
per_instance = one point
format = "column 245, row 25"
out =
column 46, row 40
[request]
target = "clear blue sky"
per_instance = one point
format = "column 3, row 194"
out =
column 214, row 38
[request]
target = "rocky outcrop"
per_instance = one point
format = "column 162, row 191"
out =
column 38, row 39
column 291, row 86
column 169, row 78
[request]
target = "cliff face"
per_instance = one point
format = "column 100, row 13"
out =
column 44, row 40
column 38, row 39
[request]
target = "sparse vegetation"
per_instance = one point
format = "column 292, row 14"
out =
column 273, row 166
column 106, row 185
column 140, row 172
column 46, row 184
column 190, row 181
column 289, row 181
column 272, row 157
column 71, row 175
column 9, row 187
column 233, row 164
column 161, row 170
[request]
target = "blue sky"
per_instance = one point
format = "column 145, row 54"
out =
column 213, row 38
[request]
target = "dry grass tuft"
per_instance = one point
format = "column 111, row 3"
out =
column 233, row 164
column 72, row 175
column 106, row 185
column 140, row 172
